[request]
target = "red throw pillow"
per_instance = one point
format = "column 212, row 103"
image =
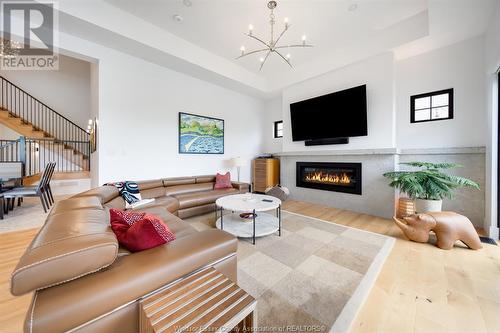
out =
column 128, row 216
column 223, row 181
column 139, row 231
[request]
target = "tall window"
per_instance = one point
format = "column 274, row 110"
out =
column 432, row 106
column 278, row 129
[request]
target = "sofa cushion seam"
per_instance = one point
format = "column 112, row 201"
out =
column 61, row 256
column 71, row 237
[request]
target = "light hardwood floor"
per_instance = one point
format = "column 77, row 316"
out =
column 420, row 288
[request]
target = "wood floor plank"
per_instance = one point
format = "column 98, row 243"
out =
column 420, row 289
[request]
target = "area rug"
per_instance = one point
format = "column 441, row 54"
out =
column 314, row 278
column 28, row 216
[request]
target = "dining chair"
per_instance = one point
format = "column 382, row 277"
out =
column 48, row 189
column 39, row 190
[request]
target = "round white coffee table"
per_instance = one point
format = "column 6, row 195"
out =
column 258, row 225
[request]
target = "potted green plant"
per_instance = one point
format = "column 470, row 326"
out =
column 428, row 185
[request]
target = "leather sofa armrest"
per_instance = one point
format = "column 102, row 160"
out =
column 242, row 187
column 66, row 306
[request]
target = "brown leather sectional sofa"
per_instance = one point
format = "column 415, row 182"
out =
column 83, row 281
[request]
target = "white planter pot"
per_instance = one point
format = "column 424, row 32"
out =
column 422, row 205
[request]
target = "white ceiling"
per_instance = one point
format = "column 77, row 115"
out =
column 218, row 25
column 207, row 41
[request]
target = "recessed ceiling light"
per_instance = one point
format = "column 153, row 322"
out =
column 353, row 7
column 187, row 3
column 177, row 18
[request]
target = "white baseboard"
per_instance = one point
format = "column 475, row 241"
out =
column 494, row 232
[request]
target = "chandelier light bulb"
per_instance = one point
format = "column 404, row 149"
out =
column 274, row 46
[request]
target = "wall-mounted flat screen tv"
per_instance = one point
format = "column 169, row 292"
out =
column 336, row 115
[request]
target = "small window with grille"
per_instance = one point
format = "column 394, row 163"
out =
column 432, row 106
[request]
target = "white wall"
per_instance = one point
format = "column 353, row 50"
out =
column 459, row 66
column 492, row 58
column 390, row 84
column 273, row 111
column 138, row 110
column 94, row 114
column 66, row 90
column 138, row 121
column 378, row 74
column 389, row 87
column 7, row 134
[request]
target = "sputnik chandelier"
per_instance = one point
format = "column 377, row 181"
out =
column 9, row 49
column 272, row 46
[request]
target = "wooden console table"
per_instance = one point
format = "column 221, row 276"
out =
column 207, row 301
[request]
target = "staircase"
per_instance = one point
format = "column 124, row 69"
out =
column 46, row 135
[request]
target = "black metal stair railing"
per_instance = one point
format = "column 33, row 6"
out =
column 9, row 151
column 70, row 156
column 31, row 110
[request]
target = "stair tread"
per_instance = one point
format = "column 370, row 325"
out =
column 32, row 131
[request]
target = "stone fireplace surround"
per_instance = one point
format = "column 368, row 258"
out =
column 329, row 176
column 377, row 197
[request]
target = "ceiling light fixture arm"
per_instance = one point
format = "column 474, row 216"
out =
column 263, row 62
column 293, row 45
column 281, row 35
column 257, row 38
column 284, row 58
column 252, row 52
column 271, row 46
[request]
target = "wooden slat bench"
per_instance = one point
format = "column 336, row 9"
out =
column 207, row 301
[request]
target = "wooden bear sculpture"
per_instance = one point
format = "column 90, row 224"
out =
column 448, row 227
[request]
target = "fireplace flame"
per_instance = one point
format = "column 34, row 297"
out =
column 323, row 177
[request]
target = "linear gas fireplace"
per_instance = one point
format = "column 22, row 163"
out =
column 330, row 176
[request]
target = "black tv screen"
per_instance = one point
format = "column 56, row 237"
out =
column 336, row 115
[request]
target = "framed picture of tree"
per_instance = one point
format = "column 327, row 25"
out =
column 200, row 134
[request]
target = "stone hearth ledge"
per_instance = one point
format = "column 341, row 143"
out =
column 387, row 151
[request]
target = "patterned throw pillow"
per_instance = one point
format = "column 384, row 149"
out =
column 130, row 217
column 139, row 231
column 223, row 181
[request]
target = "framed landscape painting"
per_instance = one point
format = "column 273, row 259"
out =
column 200, row 135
